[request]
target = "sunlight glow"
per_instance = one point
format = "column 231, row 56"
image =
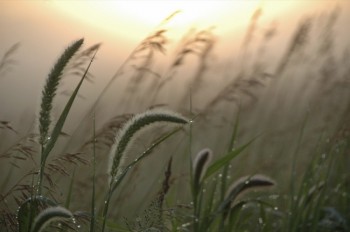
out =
column 142, row 16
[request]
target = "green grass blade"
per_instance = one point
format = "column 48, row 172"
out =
column 217, row 165
column 70, row 191
column 92, row 220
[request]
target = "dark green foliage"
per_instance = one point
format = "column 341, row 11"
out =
column 29, row 209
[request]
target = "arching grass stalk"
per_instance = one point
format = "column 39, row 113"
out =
column 92, row 220
column 225, row 171
column 48, row 215
column 49, row 142
column 200, row 166
column 293, row 197
column 123, row 139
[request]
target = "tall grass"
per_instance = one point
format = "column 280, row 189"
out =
column 162, row 179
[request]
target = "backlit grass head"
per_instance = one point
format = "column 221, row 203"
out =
column 134, row 125
column 50, row 88
column 200, row 165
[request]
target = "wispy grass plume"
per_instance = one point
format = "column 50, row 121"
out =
column 50, row 89
column 134, row 125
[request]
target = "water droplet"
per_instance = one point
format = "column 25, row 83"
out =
column 220, row 175
column 78, row 226
column 261, row 220
column 323, row 156
column 185, row 225
column 274, row 197
column 204, row 190
column 246, row 182
column 275, row 208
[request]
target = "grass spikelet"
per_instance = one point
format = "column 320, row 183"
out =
column 49, row 215
column 200, row 165
column 243, row 184
column 134, row 125
column 50, row 89
column 7, row 61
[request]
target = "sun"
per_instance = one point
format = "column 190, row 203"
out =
column 142, row 16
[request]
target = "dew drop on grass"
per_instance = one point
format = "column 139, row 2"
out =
column 275, row 208
column 274, row 197
column 261, row 220
column 185, row 225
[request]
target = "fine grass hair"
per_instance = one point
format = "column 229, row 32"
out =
column 49, row 215
column 50, row 89
column 124, row 137
column 134, row 125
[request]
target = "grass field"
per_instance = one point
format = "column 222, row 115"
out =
column 246, row 146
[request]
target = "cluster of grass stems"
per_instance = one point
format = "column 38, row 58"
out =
column 215, row 202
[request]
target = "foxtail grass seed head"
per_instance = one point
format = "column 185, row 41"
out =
column 134, row 125
column 50, row 89
column 49, row 215
column 246, row 183
column 200, row 165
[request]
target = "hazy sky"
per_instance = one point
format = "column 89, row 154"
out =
column 45, row 28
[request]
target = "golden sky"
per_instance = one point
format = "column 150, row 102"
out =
column 45, row 27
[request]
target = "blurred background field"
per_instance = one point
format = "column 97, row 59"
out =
column 282, row 70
